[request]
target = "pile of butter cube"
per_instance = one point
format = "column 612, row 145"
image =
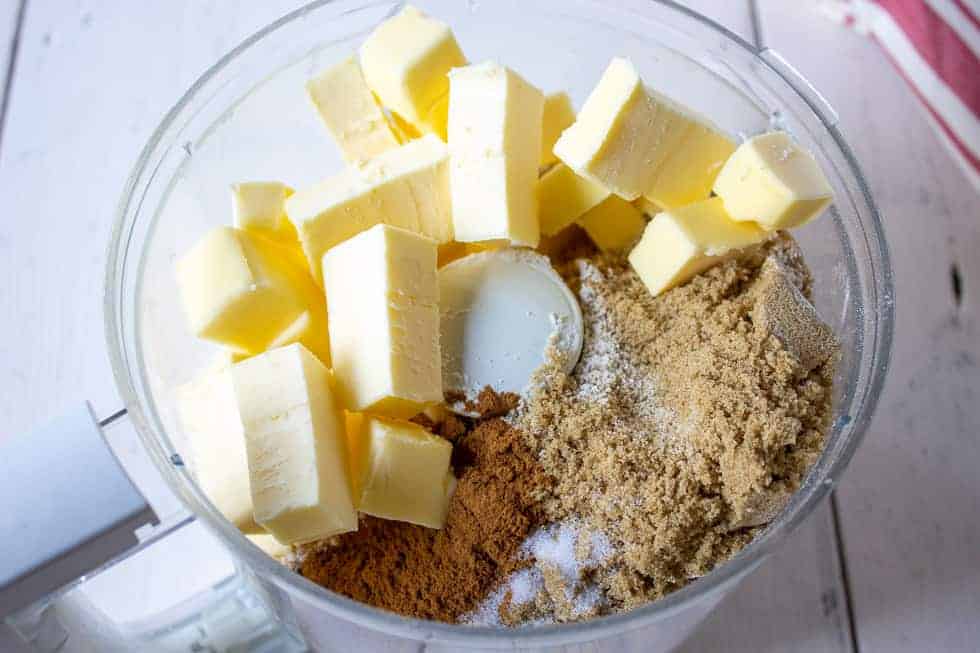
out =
column 326, row 299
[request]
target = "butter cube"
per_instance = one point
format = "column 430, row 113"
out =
column 208, row 415
column 687, row 174
column 407, row 187
column 350, row 112
column 564, row 197
column 238, row 289
column 405, row 61
column 495, row 146
column 773, row 181
column 647, row 207
column 423, row 167
column 681, row 243
column 270, row 545
column 623, row 133
column 310, row 330
column 310, row 326
column 259, row 206
column 352, row 427
column 557, row 117
column 403, row 130
column 613, row 224
column 402, row 471
column 383, row 306
column 296, row 446
column 451, row 251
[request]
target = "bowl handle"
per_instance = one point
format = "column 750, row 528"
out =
column 69, row 514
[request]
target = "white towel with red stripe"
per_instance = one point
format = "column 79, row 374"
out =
column 935, row 45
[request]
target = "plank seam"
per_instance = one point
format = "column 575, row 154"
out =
column 845, row 575
column 8, row 82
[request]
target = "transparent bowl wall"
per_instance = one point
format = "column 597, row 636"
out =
column 248, row 118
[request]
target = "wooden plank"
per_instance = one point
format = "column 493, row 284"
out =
column 794, row 602
column 910, row 498
column 93, row 80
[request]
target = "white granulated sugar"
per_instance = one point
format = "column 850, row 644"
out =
column 555, row 544
column 524, row 585
column 606, row 373
column 487, row 613
column 587, row 601
column 601, row 548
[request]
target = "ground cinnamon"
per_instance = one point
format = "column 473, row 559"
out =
column 430, row 574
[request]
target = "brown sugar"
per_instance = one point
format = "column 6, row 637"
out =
column 783, row 311
column 683, row 423
column 488, row 403
column 441, row 574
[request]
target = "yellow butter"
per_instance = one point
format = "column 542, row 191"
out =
column 402, row 472
column 422, row 166
column 557, row 117
column 208, row 415
column 404, row 131
column 310, row 326
column 613, row 224
column 296, row 446
column 494, row 146
column 352, row 429
column 350, row 112
column 687, row 174
column 773, row 181
column 309, row 329
column 681, row 243
column 270, row 545
column 647, row 207
column 449, row 252
column 238, row 289
column 383, row 303
column 259, row 206
column 564, row 197
column 226, row 357
column 407, row 187
column 405, row 62
column 437, row 413
column 623, row 133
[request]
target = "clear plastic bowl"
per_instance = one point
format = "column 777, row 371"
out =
column 247, row 118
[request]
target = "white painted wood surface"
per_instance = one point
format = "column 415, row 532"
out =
column 92, row 79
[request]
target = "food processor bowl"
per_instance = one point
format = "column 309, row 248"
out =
column 247, row 118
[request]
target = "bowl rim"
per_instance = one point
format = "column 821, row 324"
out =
column 803, row 503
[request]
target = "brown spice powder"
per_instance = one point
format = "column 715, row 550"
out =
column 442, row 574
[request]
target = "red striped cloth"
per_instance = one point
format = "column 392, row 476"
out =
column 935, row 45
